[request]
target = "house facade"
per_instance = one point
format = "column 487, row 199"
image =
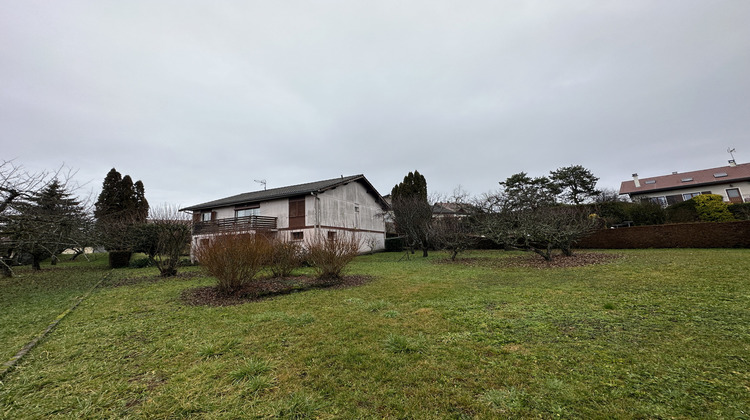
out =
column 304, row 212
column 731, row 182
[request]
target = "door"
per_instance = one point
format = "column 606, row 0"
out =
column 297, row 213
column 734, row 195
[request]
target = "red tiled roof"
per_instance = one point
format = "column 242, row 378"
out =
column 721, row 175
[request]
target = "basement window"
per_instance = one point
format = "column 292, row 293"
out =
column 298, row 236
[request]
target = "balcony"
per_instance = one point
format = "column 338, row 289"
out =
column 234, row 224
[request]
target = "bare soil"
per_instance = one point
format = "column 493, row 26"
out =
column 266, row 288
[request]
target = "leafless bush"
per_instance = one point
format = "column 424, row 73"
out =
column 330, row 256
column 234, row 259
column 171, row 233
column 286, row 255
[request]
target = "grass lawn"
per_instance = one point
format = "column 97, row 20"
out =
column 654, row 334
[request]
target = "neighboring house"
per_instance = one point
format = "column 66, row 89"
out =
column 451, row 209
column 731, row 182
column 322, row 209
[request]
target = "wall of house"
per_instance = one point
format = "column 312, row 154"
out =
column 720, row 189
column 343, row 210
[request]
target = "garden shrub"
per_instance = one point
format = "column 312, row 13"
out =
column 612, row 212
column 712, row 208
column 330, row 256
column 682, row 212
column 234, row 259
column 740, row 211
column 119, row 259
column 646, row 213
column 286, row 255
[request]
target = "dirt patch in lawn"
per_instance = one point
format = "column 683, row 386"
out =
column 531, row 260
column 266, row 288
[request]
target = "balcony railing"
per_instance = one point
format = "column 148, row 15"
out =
column 234, row 224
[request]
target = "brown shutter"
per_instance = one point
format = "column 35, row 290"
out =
column 297, row 212
column 213, row 215
column 196, row 216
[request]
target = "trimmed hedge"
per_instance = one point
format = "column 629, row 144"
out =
column 682, row 235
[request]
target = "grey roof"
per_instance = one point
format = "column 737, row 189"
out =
column 290, row 191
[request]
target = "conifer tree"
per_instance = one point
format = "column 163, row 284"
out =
column 412, row 211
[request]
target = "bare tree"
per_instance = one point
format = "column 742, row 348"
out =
column 536, row 229
column 165, row 237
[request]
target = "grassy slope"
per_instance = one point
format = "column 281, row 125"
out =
column 659, row 333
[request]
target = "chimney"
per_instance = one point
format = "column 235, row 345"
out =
column 637, row 182
column 732, row 162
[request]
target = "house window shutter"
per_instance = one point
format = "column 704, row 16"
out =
column 297, row 212
column 213, row 215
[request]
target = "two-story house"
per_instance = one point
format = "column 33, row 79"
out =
column 731, row 182
column 311, row 211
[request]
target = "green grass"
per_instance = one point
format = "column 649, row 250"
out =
column 656, row 334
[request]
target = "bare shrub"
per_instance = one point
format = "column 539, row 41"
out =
column 330, row 256
column 234, row 259
column 286, row 255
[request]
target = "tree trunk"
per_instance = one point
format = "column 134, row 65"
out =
column 36, row 262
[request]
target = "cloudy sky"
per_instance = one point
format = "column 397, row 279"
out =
column 199, row 99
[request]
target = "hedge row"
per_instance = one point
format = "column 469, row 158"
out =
column 682, row 235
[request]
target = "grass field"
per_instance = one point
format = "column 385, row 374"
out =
column 654, row 334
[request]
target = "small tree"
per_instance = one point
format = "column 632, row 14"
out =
column 234, row 259
column 453, row 234
column 172, row 232
column 575, row 184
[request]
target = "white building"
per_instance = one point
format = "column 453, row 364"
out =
column 322, row 209
column 731, row 182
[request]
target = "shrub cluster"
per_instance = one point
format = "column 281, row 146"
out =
column 285, row 257
column 235, row 259
column 328, row 257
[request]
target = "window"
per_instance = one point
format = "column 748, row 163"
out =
column 208, row 216
column 298, row 236
column 651, row 181
column 331, row 235
column 687, row 179
column 734, row 195
column 720, row 175
column 255, row 211
column 688, row 196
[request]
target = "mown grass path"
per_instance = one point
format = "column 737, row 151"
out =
column 657, row 333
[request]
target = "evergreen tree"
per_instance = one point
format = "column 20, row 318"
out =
column 575, row 184
column 121, row 205
column 411, row 210
column 49, row 222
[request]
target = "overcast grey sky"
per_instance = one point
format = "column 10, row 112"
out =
column 199, row 99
